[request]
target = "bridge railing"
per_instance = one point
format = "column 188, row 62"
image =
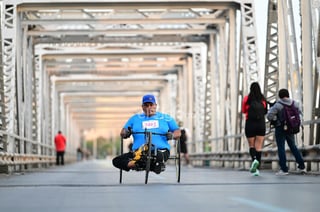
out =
column 241, row 159
column 24, row 154
column 18, row 153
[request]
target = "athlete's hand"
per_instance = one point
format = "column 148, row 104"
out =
column 126, row 133
column 169, row 135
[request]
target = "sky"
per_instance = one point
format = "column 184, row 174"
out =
column 261, row 13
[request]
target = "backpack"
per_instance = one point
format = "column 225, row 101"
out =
column 291, row 119
column 256, row 110
column 183, row 137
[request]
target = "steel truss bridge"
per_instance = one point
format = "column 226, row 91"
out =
column 79, row 65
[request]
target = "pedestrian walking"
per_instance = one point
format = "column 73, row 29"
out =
column 183, row 143
column 254, row 106
column 283, row 131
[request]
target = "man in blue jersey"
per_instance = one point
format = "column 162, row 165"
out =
column 153, row 121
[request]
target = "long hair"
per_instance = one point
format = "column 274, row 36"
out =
column 255, row 93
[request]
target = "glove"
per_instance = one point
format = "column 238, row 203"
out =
column 126, row 134
column 169, row 135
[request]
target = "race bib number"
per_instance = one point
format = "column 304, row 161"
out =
column 150, row 124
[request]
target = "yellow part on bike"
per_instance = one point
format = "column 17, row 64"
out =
column 138, row 153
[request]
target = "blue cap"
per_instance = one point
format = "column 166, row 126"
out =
column 148, row 98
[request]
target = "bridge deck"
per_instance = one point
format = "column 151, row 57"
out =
column 94, row 186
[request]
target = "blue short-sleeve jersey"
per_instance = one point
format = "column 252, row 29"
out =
column 159, row 123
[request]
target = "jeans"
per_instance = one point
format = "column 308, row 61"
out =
column 281, row 137
column 60, row 158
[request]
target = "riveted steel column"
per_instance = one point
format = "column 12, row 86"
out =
column 222, row 85
column 250, row 49
column 199, row 67
column 307, row 66
column 271, row 75
column 3, row 137
column 232, row 80
column 8, row 43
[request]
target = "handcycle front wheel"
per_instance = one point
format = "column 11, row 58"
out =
column 148, row 163
column 121, row 152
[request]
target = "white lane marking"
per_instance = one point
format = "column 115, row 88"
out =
column 259, row 205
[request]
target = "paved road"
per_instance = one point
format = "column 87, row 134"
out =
column 94, row 186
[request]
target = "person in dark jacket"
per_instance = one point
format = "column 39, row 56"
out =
column 275, row 115
column 183, row 143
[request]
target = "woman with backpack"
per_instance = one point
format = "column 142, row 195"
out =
column 285, row 129
column 254, row 106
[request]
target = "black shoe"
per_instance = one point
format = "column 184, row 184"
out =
column 159, row 167
column 139, row 166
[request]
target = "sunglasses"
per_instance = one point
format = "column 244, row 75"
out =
column 147, row 104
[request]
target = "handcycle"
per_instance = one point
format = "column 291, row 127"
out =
column 151, row 155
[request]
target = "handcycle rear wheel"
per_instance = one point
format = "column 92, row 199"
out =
column 178, row 160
